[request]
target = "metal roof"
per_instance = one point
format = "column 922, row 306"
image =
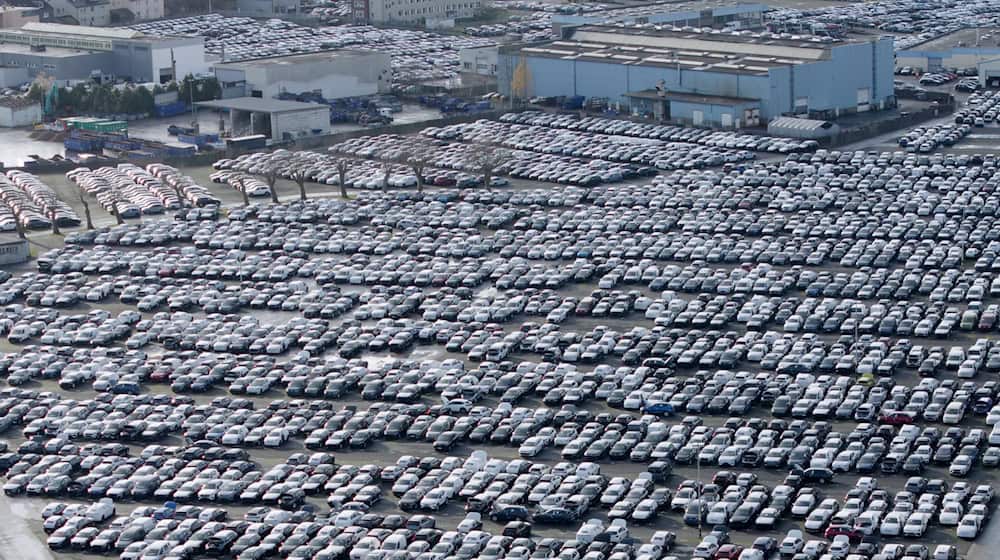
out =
column 260, row 105
column 82, row 30
column 799, row 124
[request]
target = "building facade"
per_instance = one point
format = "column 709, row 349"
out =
column 19, row 111
column 13, row 249
column 962, row 50
column 742, row 75
column 12, row 17
column 82, row 12
column 137, row 10
column 481, row 60
column 72, row 52
column 332, row 74
column 412, row 12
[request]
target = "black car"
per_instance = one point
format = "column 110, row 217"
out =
column 507, row 513
column 817, row 475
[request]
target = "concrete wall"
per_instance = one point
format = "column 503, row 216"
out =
column 13, row 252
column 20, row 116
column 300, row 123
column 142, row 9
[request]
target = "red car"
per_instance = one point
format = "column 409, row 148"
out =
column 728, row 552
column 896, row 418
column 853, row 534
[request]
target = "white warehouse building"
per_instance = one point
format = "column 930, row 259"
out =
column 412, row 11
column 333, row 74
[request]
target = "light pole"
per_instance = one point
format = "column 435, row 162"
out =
column 701, row 503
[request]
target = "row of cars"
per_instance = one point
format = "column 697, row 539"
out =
column 27, row 202
column 589, row 145
column 704, row 137
column 416, row 55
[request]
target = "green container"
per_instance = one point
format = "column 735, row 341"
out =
column 106, row 126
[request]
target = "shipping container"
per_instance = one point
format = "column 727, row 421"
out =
column 170, row 109
column 255, row 142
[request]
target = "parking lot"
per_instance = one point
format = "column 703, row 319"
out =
column 633, row 318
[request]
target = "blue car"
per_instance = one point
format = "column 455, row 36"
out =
column 659, row 409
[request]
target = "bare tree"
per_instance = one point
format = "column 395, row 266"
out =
column 86, row 211
column 271, row 175
column 180, row 194
column 418, row 162
column 488, row 160
column 343, row 166
column 116, row 213
column 241, row 185
column 386, row 173
column 55, row 222
column 300, row 177
column 20, row 228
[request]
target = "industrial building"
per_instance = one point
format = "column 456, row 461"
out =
column 267, row 8
column 13, row 249
column 479, row 60
column 332, row 74
column 730, row 79
column 278, row 120
column 16, row 16
column 74, row 52
column 129, row 11
column 412, row 11
column 79, row 12
column 19, row 111
column 961, row 50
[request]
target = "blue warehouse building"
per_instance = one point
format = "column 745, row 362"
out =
column 706, row 79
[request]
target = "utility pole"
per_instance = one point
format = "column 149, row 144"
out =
column 701, row 501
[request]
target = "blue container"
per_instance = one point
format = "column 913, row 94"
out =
column 170, row 109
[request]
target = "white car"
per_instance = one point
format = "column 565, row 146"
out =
column 969, row 527
column 892, row 525
column 916, row 525
column 840, row 547
column 951, row 513
column 707, row 547
column 792, row 543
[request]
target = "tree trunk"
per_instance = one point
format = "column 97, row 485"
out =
column 343, row 184
column 420, row 183
column 272, row 180
column 488, row 179
column 116, row 213
column 243, row 191
column 86, row 213
column 301, row 182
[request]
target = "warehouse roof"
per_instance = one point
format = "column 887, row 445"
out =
column 294, row 59
column 82, row 30
column 260, row 105
column 691, row 50
column 796, row 123
column 987, row 37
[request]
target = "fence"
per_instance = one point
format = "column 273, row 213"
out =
column 876, row 128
